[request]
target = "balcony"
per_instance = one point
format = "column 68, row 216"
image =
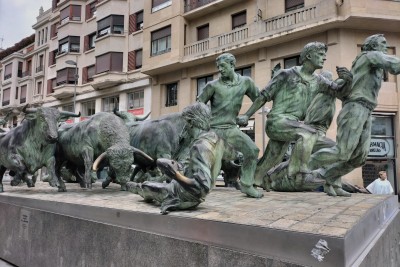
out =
column 37, row 98
column 64, row 91
column 260, row 32
column 108, row 79
column 39, row 69
column 199, row 8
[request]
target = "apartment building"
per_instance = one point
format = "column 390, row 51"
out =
column 157, row 55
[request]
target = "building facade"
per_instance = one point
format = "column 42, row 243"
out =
column 157, row 55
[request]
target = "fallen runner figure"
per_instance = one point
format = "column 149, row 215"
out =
column 188, row 190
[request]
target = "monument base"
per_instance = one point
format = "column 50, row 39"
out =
column 107, row 227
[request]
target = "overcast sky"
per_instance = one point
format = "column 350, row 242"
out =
column 17, row 18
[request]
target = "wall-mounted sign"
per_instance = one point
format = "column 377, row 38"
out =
column 379, row 147
column 136, row 111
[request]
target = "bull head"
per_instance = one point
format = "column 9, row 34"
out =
column 46, row 120
column 128, row 117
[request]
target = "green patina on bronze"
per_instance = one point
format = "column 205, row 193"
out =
column 189, row 189
column 225, row 95
column 354, row 120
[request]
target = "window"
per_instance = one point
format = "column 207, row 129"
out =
column 91, row 10
column 139, row 20
column 111, row 24
column 50, row 85
column 136, row 22
column 161, row 41
column 88, row 73
column 40, row 64
column 23, row 94
column 68, row 108
column 20, row 67
column 88, row 108
column 172, row 94
column 52, row 57
column 160, row 4
column 54, row 29
column 69, row 44
column 244, row 71
column 16, row 93
column 90, row 41
column 136, row 99
column 109, row 103
column 39, row 88
column 291, row 62
column 238, row 20
column 45, row 35
column 65, row 76
column 249, row 129
column 293, row 4
column 38, row 38
column 72, row 12
column 203, row 32
column 381, row 156
column 134, row 60
column 201, row 83
column 8, row 71
column 6, row 96
column 109, row 62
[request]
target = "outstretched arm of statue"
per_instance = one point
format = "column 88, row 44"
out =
column 242, row 120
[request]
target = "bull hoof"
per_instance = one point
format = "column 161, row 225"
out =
column 15, row 182
column 30, row 183
column 328, row 189
column 250, row 191
column 53, row 184
column 62, row 189
column 342, row 193
column 105, row 184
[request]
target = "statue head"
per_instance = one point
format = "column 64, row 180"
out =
column 376, row 42
column 226, row 64
column 313, row 48
column 198, row 116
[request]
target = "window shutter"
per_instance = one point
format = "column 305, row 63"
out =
column 86, row 43
column 51, row 58
column 161, row 33
column 202, row 32
column 131, row 60
column 8, row 69
column 87, row 12
column 85, row 75
column 76, row 12
column 138, row 58
column 64, row 13
column 238, row 19
column 132, row 23
column 6, row 94
column 116, row 61
column 292, row 3
column 23, row 92
column 103, row 63
column 49, row 86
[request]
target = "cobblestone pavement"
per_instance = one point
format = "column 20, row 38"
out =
column 309, row 212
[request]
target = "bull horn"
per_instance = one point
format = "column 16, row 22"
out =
column 144, row 117
column 30, row 110
column 142, row 154
column 116, row 112
column 180, row 178
column 98, row 160
column 69, row 114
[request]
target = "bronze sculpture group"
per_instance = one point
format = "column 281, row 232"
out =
column 175, row 160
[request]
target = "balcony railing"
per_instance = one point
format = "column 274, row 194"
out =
column 39, row 69
column 8, row 76
column 261, row 30
column 291, row 18
column 190, row 4
column 26, row 73
column 5, row 103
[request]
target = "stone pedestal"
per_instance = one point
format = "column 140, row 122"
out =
column 41, row 227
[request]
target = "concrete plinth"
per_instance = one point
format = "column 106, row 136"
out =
column 41, row 227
